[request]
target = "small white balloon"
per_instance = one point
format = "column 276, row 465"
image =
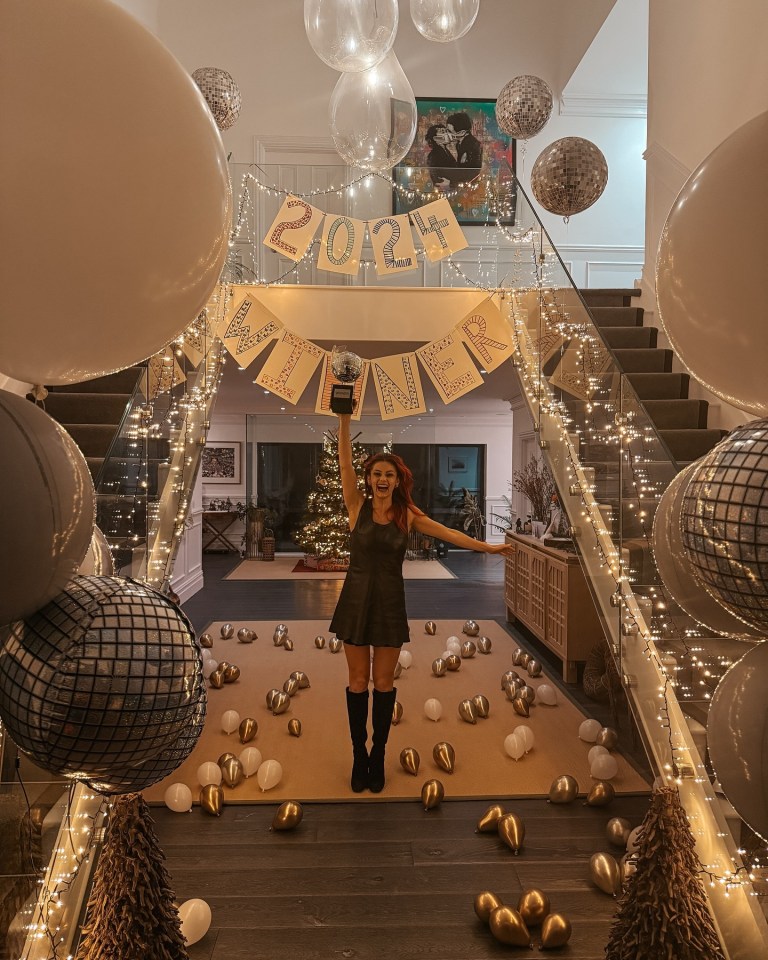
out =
column 547, row 694
column 250, row 759
column 195, row 916
column 453, row 642
column 447, row 653
column 589, row 730
column 514, row 746
column 405, row 658
column 208, row 772
column 208, row 667
column 433, row 709
column 633, row 839
column 178, row 797
column 206, row 654
column 603, row 767
column 230, row 721
column 525, row 734
column 269, row 774
column 595, row 752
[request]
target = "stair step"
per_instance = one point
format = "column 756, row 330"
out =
column 92, row 438
column 617, row 316
column 690, row 444
column 644, row 361
column 607, row 297
column 94, row 465
column 124, row 381
column 630, row 338
column 69, row 408
column 678, row 414
column 660, row 386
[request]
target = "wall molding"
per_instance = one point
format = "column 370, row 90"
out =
column 665, row 167
column 263, row 146
column 634, row 106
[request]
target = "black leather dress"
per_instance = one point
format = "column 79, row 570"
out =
column 371, row 608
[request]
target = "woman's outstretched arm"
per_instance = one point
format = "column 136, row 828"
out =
column 432, row 528
column 353, row 498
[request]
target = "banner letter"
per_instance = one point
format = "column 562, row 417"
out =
column 341, row 245
column 248, row 329
column 487, row 335
column 393, row 245
column 293, row 228
column 438, row 229
column 449, row 367
column 290, row 366
column 398, row 386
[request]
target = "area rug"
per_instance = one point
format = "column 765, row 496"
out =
column 284, row 568
column 316, row 765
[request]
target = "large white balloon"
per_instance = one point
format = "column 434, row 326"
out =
column 269, row 774
column 178, row 797
column 711, row 315
column 117, row 171
column 47, row 498
column 373, row 116
column 351, row 35
column 195, row 916
column 444, row 20
column 98, row 561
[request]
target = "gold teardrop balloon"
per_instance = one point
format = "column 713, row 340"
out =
column 223, row 664
column 468, row 650
column 232, row 772
column 294, row 727
column 410, row 760
column 508, row 927
column 439, row 667
column 564, row 789
column 555, row 931
column 444, row 756
column 280, row 703
column 509, row 677
column 271, row 697
column 512, row 831
column 432, row 794
column 227, row 631
column 288, row 815
column 247, row 730
column 485, row 903
column 206, row 641
column 534, row 668
column 398, row 670
column 617, row 830
column 231, row 673
column 601, row 793
column 319, row 642
column 517, row 657
column 605, row 873
column 453, row 662
column 521, row 707
column 212, row 799
column 397, row 712
column 607, row 738
column 301, row 678
column 482, row 707
column 245, row 635
column 533, row 906
column 512, row 690
column 488, row 823
column 290, row 686
column 467, row 711
column 224, row 757
column 216, row 679
column 278, row 637
column 335, row 645
column 484, row 645
column 430, row 628
column 288, row 644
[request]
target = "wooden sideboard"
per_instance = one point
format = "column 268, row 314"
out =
column 545, row 589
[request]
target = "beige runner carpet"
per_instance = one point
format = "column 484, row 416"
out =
column 317, row 765
column 282, row 568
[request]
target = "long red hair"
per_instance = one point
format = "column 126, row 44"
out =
column 401, row 495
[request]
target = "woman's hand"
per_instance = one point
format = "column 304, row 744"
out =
column 504, row 548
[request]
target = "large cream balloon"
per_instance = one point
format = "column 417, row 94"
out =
column 47, row 497
column 710, row 310
column 98, row 560
column 116, row 170
column 195, row 916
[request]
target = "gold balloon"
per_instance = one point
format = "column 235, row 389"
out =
column 534, row 668
column 453, row 662
column 607, row 738
column 246, row 635
column 288, row 644
column 231, row 673
column 397, row 712
column 482, row 707
column 470, row 628
column 432, row 793
column 602, row 793
column 533, row 906
column 564, row 789
column 278, row 637
column 605, row 873
column 517, row 657
column 509, row 677
column 223, row 664
column 335, row 645
column 294, row 727
column 212, row 799
column 488, row 823
column 410, row 760
column 271, row 696
column 206, row 640
column 512, row 690
column 398, row 670
column 508, row 927
column 247, row 730
column 231, row 772
column 280, row 703
column 224, row 757
column 467, row 711
column 555, row 931
column 216, row 679
column 319, row 642
column 521, row 707
column 527, row 693
column 512, row 831
column 525, row 659
column 301, row 678
column 290, row 686
column 287, row 816
column 430, row 628
column 485, row 903
column 227, row 631
column 484, row 644
column 444, row 756
column 617, row 830
column 468, row 650
column 439, row 667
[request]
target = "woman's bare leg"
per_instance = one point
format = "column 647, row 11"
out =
column 359, row 666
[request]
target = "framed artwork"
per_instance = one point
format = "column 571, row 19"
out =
column 457, row 464
column 458, row 144
column 221, row 462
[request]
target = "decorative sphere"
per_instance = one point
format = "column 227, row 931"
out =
column 227, row 631
column 104, row 684
column 523, row 107
column 468, row 650
column 470, row 628
column 221, row 93
column 346, row 366
column 569, row 176
column 439, row 667
column 246, row 635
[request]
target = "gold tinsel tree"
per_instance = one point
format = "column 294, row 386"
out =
column 663, row 911
column 324, row 532
column 131, row 913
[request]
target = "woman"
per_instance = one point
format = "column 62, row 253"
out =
column 371, row 609
column 440, row 160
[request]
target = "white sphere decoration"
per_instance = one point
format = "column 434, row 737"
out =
column 589, row 729
column 524, row 733
column 209, row 665
column 269, row 774
column 230, row 721
column 178, row 797
column 433, row 709
column 604, row 767
column 595, row 752
column 250, row 760
column 514, row 746
column 546, row 694
column 444, row 20
column 195, row 916
column 208, row 772
column 633, row 840
column 405, row 659
column 351, row 35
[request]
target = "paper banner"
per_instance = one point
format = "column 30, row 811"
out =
column 327, row 380
column 290, row 366
column 438, row 229
column 392, row 244
column 293, row 228
column 398, row 386
column 487, row 334
column 199, row 336
column 449, row 367
column 247, row 329
column 341, row 245
column 163, row 373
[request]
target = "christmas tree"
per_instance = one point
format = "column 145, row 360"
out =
column 324, row 533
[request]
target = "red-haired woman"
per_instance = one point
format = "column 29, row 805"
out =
column 371, row 608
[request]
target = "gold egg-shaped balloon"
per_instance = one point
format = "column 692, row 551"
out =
column 227, row 631
column 282, row 628
column 617, row 831
column 247, row 730
column 607, row 738
column 288, row 815
column 534, row 668
column 511, row 676
column 432, row 794
column 397, row 712
column 470, row 628
column 410, row 760
column 439, row 667
column 245, row 635
column 212, row 799
column 224, row 757
column 482, row 707
column 453, row 662
column 294, row 727
column 507, row 926
column 484, row 645
column 334, row 645
column 489, row 821
column 232, row 772
column 601, row 793
column 291, row 686
column 223, row 664
column 533, row 906
column 468, row 650
column 398, row 670
column 467, row 711
column 564, row 789
column 319, row 642
column 511, row 829
column 288, row 644
column 206, row 641
column 231, row 673
column 527, row 693
column 521, row 707
column 517, row 657
column 280, row 703
column 485, row 903
column 444, row 756
column 512, row 690
column 271, row 696
column 430, row 628
column 216, row 679
column 555, row 931
column 278, row 639
column 301, row 678
column 605, row 873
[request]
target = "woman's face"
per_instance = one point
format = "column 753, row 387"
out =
column 442, row 136
column 383, row 479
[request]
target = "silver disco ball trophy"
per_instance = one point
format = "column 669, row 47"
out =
column 346, row 367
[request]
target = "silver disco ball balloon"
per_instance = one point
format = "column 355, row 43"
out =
column 346, row 366
column 569, row 175
column 221, row 93
column 523, row 107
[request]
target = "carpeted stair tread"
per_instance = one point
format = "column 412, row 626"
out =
column 69, row 408
column 686, row 445
column 617, row 316
column 630, row 338
column 644, row 361
column 660, row 386
column 678, row 414
column 94, row 465
column 93, row 439
column 609, row 297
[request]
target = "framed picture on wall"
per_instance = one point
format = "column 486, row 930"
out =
column 221, row 462
column 458, row 146
column 457, row 464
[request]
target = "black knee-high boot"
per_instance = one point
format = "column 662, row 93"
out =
column 357, row 711
column 383, row 706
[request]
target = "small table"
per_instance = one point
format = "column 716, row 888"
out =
column 215, row 525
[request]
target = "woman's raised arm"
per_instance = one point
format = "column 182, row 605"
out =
column 353, row 498
column 432, row 528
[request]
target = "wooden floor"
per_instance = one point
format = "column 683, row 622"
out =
column 370, row 880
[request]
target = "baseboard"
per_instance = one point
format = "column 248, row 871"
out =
column 187, row 586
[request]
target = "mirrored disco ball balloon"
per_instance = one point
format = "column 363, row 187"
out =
column 724, row 522
column 346, row 366
column 523, row 107
column 221, row 93
column 569, row 175
column 104, row 684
